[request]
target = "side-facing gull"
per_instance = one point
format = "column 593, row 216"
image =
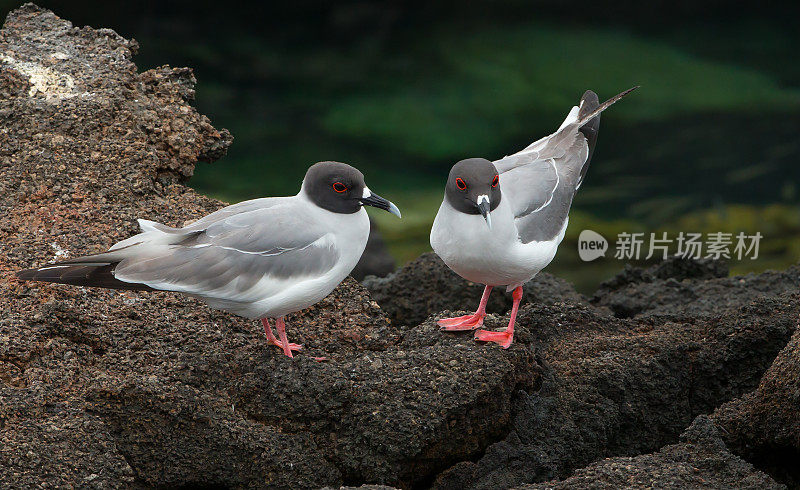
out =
column 500, row 223
column 263, row 258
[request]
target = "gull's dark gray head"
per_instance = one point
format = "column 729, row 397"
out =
column 340, row 188
column 473, row 187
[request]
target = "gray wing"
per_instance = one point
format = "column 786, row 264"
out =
column 238, row 257
column 238, row 208
column 541, row 180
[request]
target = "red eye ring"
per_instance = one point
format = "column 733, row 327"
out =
column 339, row 187
column 461, row 184
column 495, row 180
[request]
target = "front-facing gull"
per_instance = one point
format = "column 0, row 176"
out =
column 263, row 258
column 500, row 223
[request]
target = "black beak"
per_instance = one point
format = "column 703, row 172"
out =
column 370, row 199
column 484, row 206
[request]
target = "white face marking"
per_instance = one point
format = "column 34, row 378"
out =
column 483, row 198
column 367, row 193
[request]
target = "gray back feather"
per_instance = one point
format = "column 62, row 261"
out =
column 541, row 180
column 540, row 183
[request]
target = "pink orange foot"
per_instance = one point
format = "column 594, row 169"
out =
column 278, row 343
column 461, row 323
column 504, row 338
column 284, row 343
column 468, row 322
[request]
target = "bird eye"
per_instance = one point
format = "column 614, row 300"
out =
column 339, row 187
column 495, row 180
column 461, row 184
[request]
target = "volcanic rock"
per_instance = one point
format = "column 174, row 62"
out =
column 426, row 285
column 699, row 460
column 764, row 426
column 680, row 286
column 622, row 387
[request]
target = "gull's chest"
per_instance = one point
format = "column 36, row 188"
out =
column 456, row 234
column 491, row 256
column 467, row 244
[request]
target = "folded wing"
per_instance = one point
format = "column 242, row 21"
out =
column 241, row 258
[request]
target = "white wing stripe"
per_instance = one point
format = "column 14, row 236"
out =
column 552, row 191
column 319, row 242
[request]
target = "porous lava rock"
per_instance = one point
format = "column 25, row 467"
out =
column 699, row 460
column 426, row 285
column 680, row 286
column 614, row 387
column 764, row 426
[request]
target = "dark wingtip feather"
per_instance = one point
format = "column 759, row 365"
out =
column 26, row 274
column 90, row 275
column 589, row 122
column 589, row 103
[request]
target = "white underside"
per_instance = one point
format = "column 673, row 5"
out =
column 496, row 256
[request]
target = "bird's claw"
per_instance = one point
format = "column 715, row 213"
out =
column 278, row 343
column 461, row 323
column 504, row 339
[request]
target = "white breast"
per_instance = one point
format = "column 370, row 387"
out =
column 495, row 256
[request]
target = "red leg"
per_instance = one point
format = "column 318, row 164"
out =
column 468, row 322
column 506, row 337
column 268, row 330
column 274, row 341
column 282, row 334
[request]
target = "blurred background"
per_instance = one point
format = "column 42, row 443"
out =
column 403, row 90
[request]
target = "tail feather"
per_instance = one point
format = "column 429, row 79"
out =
column 584, row 118
column 81, row 272
column 588, row 122
column 589, row 103
column 146, row 226
column 98, row 270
